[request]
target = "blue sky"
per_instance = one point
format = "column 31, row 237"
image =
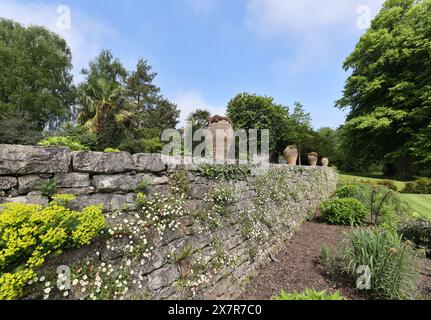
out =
column 207, row 51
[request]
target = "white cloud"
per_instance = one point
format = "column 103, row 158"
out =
column 191, row 100
column 312, row 28
column 201, row 7
column 84, row 36
column 300, row 17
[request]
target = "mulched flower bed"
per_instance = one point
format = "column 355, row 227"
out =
column 297, row 267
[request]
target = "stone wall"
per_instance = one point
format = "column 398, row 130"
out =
column 223, row 231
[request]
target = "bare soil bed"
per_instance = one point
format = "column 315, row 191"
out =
column 297, row 267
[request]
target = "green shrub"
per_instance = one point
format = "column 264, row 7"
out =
column 418, row 232
column 29, row 234
column 309, row 294
column 179, row 182
column 67, row 142
column 18, row 128
column 386, row 206
column 111, row 150
column 223, row 172
column 344, row 212
column 48, row 188
column 388, row 184
column 221, row 198
column 420, row 186
column 350, row 191
column 392, row 262
column 134, row 146
column 143, row 186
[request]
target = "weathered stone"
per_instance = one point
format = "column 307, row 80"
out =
column 37, row 198
column 29, row 183
column 7, row 183
column 155, row 262
column 189, row 163
column 20, row 160
column 20, row 199
column 73, row 180
column 32, row 198
column 100, row 162
column 77, row 191
column 110, row 202
column 118, row 182
column 149, row 162
column 163, row 277
column 153, row 179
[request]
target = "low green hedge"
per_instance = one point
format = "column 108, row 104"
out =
column 420, row 186
column 309, row 294
column 345, row 211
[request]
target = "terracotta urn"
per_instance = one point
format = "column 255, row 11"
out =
column 325, row 162
column 291, row 155
column 313, row 157
column 222, row 135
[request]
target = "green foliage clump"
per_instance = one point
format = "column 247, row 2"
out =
column 134, row 146
column 179, row 182
column 111, row 150
column 420, row 186
column 222, row 198
column 385, row 206
column 18, row 128
column 349, row 191
column 160, row 211
column 67, row 142
column 143, row 186
column 224, row 172
column 29, row 234
column 48, row 187
column 418, row 232
column 309, row 294
column 344, row 212
column 393, row 263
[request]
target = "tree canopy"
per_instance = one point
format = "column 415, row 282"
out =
column 389, row 90
column 123, row 108
column 35, row 74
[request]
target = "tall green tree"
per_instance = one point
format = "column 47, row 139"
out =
column 101, row 99
column 199, row 118
column 35, row 74
column 148, row 109
column 301, row 130
column 389, row 90
column 250, row 111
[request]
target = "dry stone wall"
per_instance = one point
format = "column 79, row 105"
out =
column 226, row 230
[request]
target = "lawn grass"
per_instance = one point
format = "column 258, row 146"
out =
column 420, row 203
column 372, row 178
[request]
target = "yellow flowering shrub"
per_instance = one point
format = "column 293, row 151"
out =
column 30, row 233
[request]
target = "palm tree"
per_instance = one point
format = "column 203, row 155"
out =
column 199, row 118
column 98, row 98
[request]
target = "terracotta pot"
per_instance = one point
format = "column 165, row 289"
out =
column 325, row 162
column 312, row 160
column 291, row 155
column 224, row 131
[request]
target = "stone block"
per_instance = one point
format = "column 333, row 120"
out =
column 22, row 160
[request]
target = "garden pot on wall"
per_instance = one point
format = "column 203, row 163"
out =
column 222, row 137
column 313, row 158
column 325, row 162
column 291, row 155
